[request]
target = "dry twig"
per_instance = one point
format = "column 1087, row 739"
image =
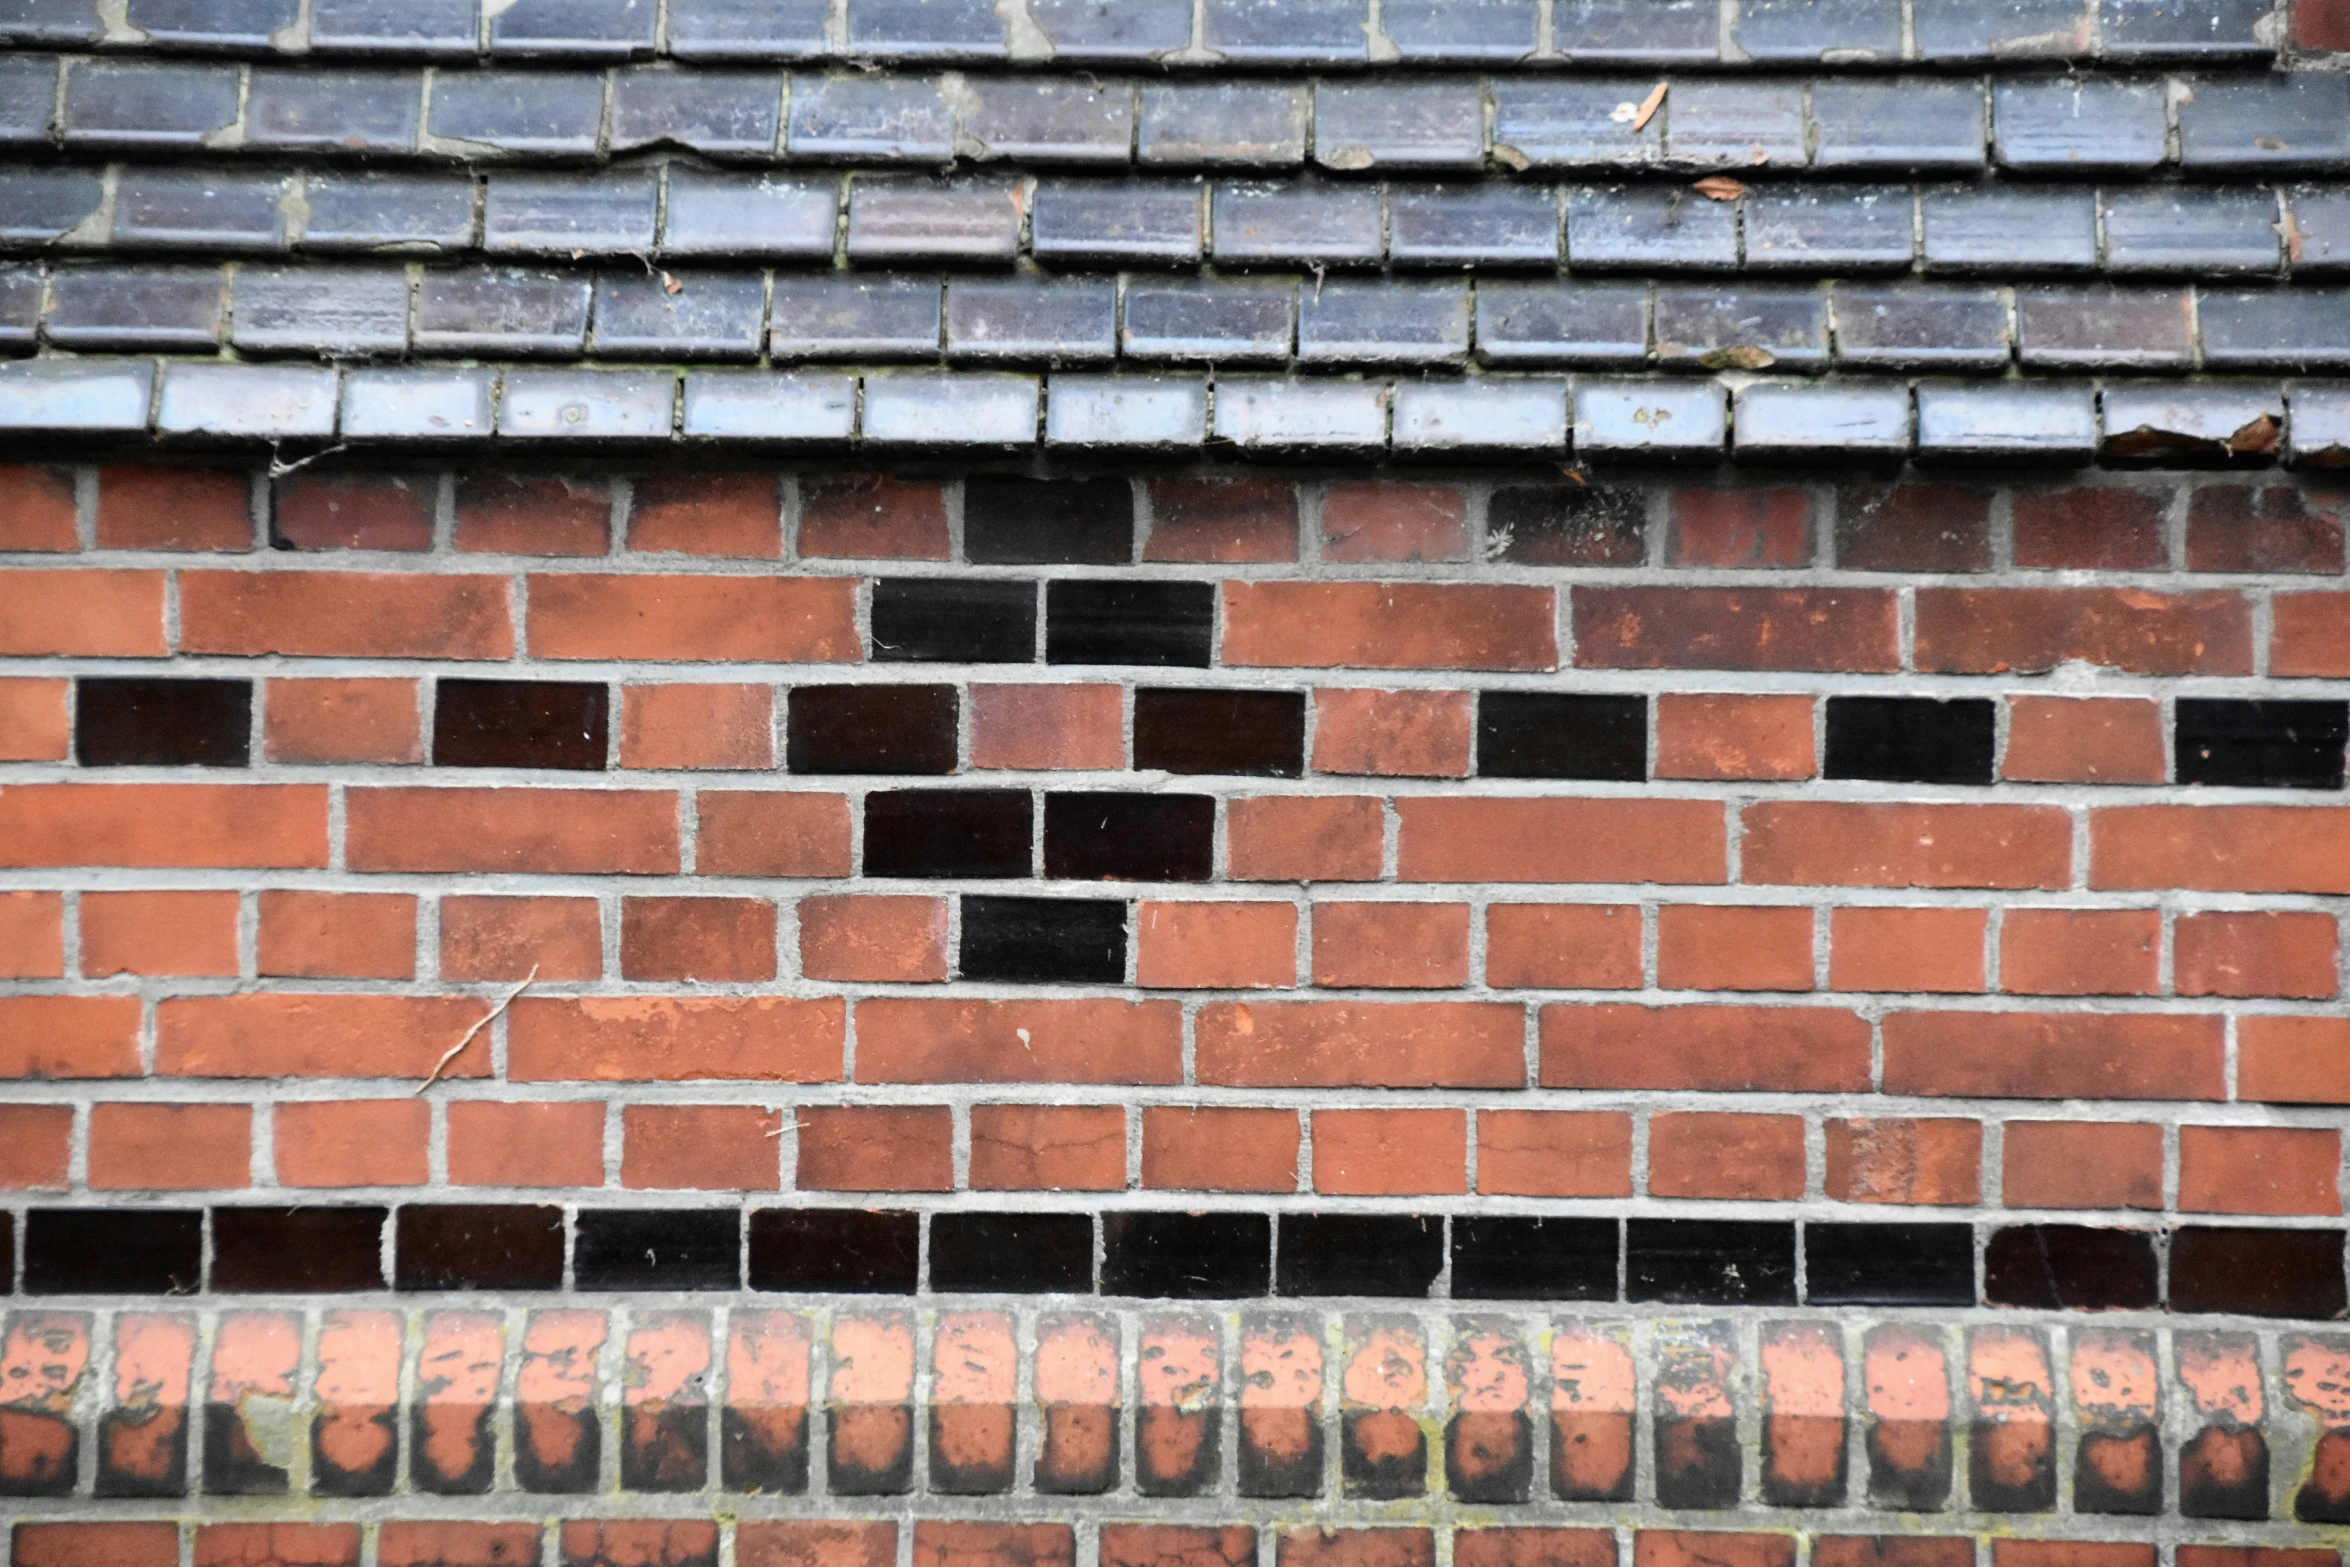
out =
column 455, row 1050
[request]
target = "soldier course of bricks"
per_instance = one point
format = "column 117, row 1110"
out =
column 1174, row 783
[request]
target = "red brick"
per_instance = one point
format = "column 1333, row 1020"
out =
column 69, row 1036
column 640, row 1543
column 2260, row 1169
column 96, row 1545
column 32, row 935
column 1812, row 843
column 993, row 1544
column 618, row 1039
column 171, row 934
column 349, row 614
column 346, row 720
column 1554, row 1153
column 352, row 1142
column 36, row 1141
column 1906, row 949
column 817, row 1543
column 170, row 1147
column 2081, row 1164
column 1383, row 519
column 1392, row 734
column 1545, row 1547
column 2108, row 740
column 2293, row 1060
column 1740, row 527
column 81, row 614
column 319, row 511
column 2055, row 1055
column 507, row 938
column 1225, row 521
column 1734, row 737
column 456, row 1544
column 2094, row 528
column 1829, row 629
column 1702, row 948
column 877, row 1148
column 1747, row 1158
column 749, row 620
column 697, row 726
column 1215, row 946
column 1351, row 1044
column 1391, row 1153
column 1048, row 728
column 916, row 1040
column 2220, row 848
column 710, row 1148
column 1714, row 1048
column 870, row 517
column 2263, row 528
column 2309, row 632
column 1892, row 1550
column 175, row 509
column 259, row 1036
column 2080, row 952
column 1990, row 631
column 1389, row 625
column 33, row 721
column 1179, row 1545
column 724, row 514
column 1675, row 1548
column 1922, row 1161
column 1391, row 946
column 1563, row 840
column 1305, row 838
column 37, row 509
column 1562, row 946
column 2071, row 1553
column 1219, row 1148
column 2266, row 954
column 2317, row 24
column 1913, row 527
column 506, row 514
column 2256, row 1555
column 705, row 939
column 558, row 1143
column 1049, row 1148
column 338, row 935
column 771, row 833
column 549, row 831
column 876, row 939
column 1312, row 1547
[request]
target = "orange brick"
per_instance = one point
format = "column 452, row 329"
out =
column 75, row 613
column 751, row 620
column 1561, row 839
column 312, row 1035
column 1392, row 734
column 1394, row 946
column 1563, row 946
column 175, row 509
column 2293, row 1060
column 2311, row 634
column 2080, row 952
column 1734, row 737
column 1721, row 1049
column 37, row 509
column 2267, row 954
column 1321, row 838
column 32, row 935
column 1701, row 948
column 2056, row 1055
column 1389, row 625
column 505, row 514
column 33, row 720
column 723, row 514
column 165, row 1147
column 510, row 938
column 348, row 614
column 1058, row 1148
column 1933, row 950
column 873, row 938
column 1229, row 521
column 874, row 1148
column 354, row 720
column 1048, row 728
column 1986, row 631
column 775, row 1039
column 69, row 1036
column 1835, row 843
column 1361, row 1044
column 1390, row 1153
column 1381, row 519
column 96, row 1545
column 1554, row 1153
column 2260, row 1169
column 546, row 831
column 2081, row 1164
column 174, row 934
column 2063, row 739
column 1029, row 1040
column 1205, row 1148
column 1830, row 629
column 1928, row 1162
column 352, row 1142
column 771, row 833
column 709, row 939
column 560, row 1143
column 1741, row 1157
column 36, row 1141
column 697, row 726
column 278, row 1544
column 722, row 1148
column 338, row 935
column 870, row 517
column 1216, row 946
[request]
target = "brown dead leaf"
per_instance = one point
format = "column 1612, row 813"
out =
column 671, row 285
column 1746, row 356
column 1719, row 187
column 2257, row 437
column 1648, row 106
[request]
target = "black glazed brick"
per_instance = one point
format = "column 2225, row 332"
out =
column 870, row 729
column 1048, row 522
column 1255, row 734
column 1889, row 1264
column 141, row 721
column 2257, row 1273
column 562, row 724
column 298, row 1249
column 113, row 1251
column 949, row 832
column 1012, row 1253
column 1547, row 734
column 1044, row 940
column 1710, row 1262
column 1568, row 525
column 1129, row 837
column 658, row 1249
column 1510, row 1257
column 1187, row 1256
column 1910, row 739
column 849, row 1251
column 2072, row 1267
column 2262, row 745
column 478, row 1246
column 1168, row 625
column 1358, row 1254
column 949, row 620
